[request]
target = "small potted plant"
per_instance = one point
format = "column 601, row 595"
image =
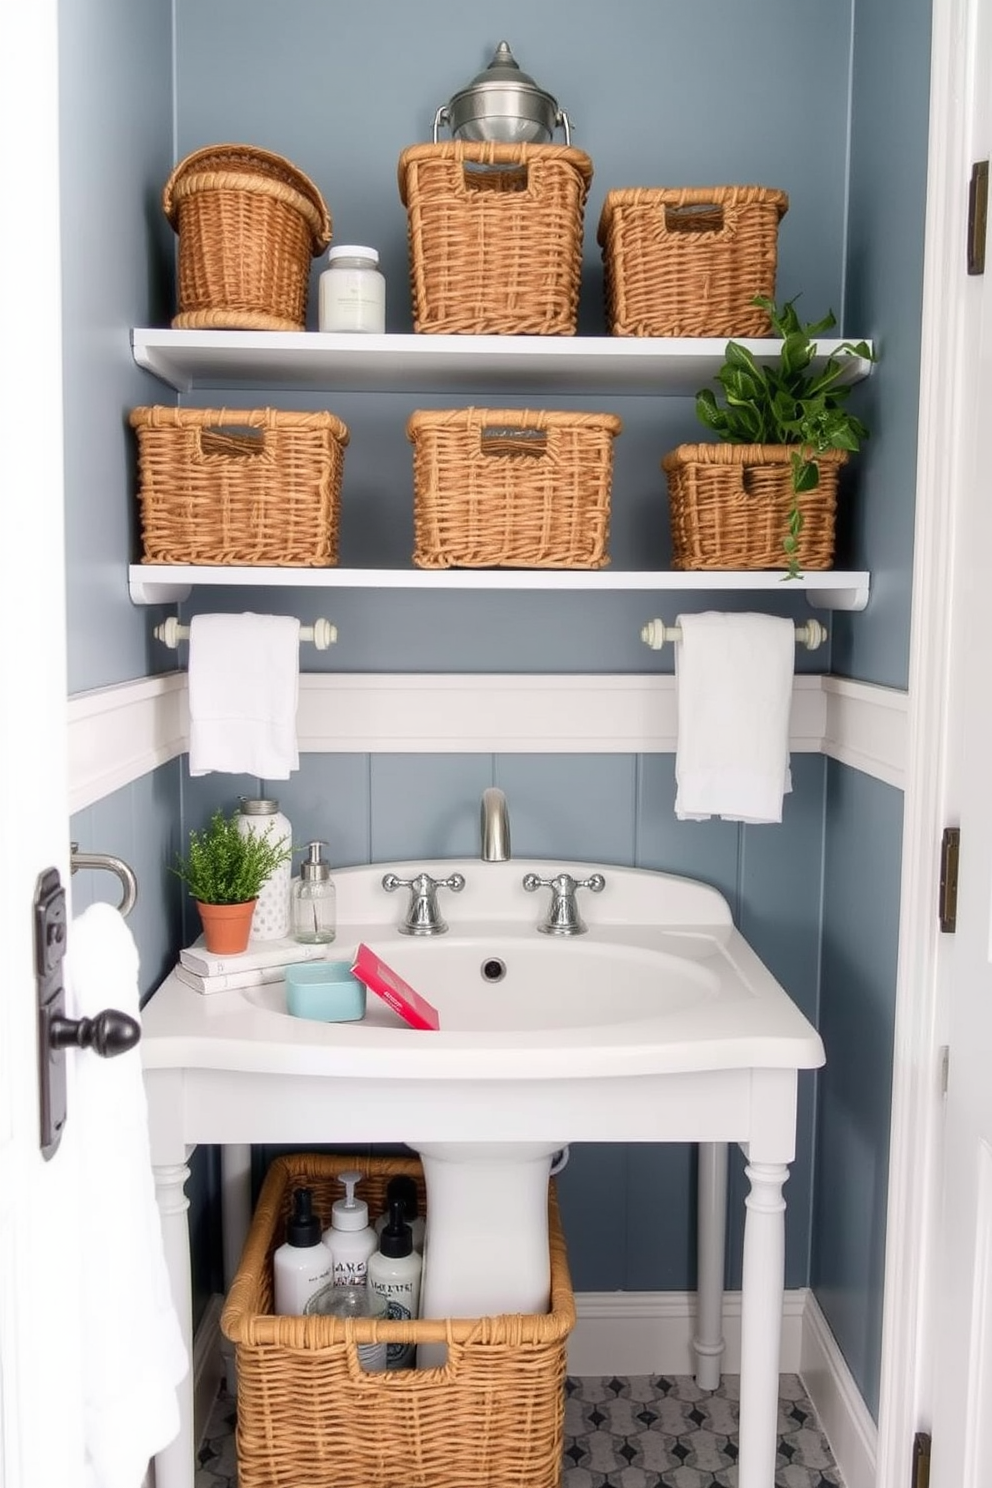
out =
column 224, row 869
column 766, row 496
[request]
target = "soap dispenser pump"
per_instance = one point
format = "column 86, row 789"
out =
column 314, row 900
column 350, row 1239
column 302, row 1265
column 395, row 1272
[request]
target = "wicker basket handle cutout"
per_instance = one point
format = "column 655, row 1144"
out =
column 229, row 442
column 499, row 439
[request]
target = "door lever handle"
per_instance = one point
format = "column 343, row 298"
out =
column 109, row 1033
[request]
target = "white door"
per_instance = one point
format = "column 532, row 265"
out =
column 962, row 1277
column 40, row 1371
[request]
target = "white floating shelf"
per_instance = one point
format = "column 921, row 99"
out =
column 167, row 583
column 313, row 361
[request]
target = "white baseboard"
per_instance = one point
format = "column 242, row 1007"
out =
column 626, row 1333
column 843, row 1415
column 651, row 1333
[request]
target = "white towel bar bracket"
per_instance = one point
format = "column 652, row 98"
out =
column 322, row 633
column 656, row 633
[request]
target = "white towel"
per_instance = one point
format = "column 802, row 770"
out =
column 133, row 1351
column 244, row 677
column 733, row 679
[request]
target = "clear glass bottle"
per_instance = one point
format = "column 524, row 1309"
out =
column 352, row 291
column 271, row 918
column 314, row 907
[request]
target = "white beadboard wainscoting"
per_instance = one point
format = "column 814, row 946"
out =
column 119, row 733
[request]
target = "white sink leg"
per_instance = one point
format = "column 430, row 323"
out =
column 761, row 1323
column 235, row 1208
column 174, row 1465
column 711, row 1210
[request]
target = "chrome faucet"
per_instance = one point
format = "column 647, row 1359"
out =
column 495, row 826
column 563, row 916
column 423, row 917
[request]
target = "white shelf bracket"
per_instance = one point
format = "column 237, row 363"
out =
column 155, row 592
column 854, row 598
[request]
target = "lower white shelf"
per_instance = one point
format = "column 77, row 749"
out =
column 832, row 589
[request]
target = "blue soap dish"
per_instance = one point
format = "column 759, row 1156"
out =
column 325, row 990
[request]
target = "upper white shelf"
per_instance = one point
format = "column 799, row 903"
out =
column 314, row 361
column 166, row 583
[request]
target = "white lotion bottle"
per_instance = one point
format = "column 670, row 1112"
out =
column 302, row 1265
column 401, row 1186
column 394, row 1272
column 350, row 1238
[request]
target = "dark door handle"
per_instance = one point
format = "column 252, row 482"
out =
column 109, row 1033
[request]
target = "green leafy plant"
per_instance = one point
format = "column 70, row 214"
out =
column 793, row 402
column 224, row 866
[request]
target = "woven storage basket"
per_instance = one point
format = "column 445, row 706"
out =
column 505, row 488
column 249, row 222
column 688, row 261
column 213, row 491
column 492, row 1417
column 495, row 236
column 729, row 506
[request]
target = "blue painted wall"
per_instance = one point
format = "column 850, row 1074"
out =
column 828, row 102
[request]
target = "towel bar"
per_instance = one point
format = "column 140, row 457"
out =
column 811, row 635
column 321, row 632
column 112, row 865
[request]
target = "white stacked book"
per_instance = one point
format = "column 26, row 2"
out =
column 266, row 961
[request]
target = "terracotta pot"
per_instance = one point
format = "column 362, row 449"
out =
column 227, row 927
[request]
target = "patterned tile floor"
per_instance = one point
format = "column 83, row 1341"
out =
column 641, row 1431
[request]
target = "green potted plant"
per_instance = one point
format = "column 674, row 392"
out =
column 224, row 869
column 765, row 497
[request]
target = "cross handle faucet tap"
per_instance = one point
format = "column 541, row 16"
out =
column 423, row 917
column 563, row 916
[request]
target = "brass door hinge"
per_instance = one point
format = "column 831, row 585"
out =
column 950, row 846
column 921, row 1460
column 978, row 206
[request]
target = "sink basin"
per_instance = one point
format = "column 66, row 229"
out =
column 661, row 984
column 499, row 983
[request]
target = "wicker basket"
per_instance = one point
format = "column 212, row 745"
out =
column 505, row 488
column 495, row 235
column 212, row 490
column 249, row 223
column 688, row 261
column 492, row 1417
column 729, row 506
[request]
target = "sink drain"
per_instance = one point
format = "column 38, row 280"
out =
column 493, row 969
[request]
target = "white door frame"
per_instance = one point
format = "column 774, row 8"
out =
column 914, row 1156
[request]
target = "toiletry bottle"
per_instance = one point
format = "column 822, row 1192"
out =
column 302, row 1265
column 271, row 918
column 394, row 1270
column 401, row 1186
column 350, row 1239
column 314, row 899
column 352, row 291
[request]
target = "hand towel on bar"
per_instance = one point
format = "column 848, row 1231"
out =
column 733, row 681
column 244, row 677
column 132, row 1344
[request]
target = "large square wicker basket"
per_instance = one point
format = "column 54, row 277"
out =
column 688, row 261
column 249, row 223
column 509, row 488
column 228, row 486
column 491, row 1417
column 495, row 236
column 729, row 507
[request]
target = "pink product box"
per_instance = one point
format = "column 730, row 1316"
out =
column 390, row 986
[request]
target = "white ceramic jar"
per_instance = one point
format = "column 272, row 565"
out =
column 271, row 920
column 352, row 291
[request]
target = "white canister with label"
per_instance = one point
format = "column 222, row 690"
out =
column 352, row 291
column 271, row 920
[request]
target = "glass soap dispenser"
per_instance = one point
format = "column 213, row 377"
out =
column 314, row 907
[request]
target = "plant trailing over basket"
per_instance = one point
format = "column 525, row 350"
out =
column 790, row 403
column 223, row 866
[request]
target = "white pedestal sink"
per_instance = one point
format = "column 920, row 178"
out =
column 660, row 1024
